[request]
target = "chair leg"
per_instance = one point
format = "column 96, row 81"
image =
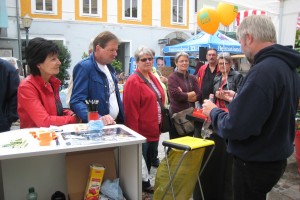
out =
column 200, row 187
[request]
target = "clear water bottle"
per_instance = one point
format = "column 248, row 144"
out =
column 32, row 195
column 205, row 131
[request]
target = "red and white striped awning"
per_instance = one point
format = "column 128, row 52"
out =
column 298, row 23
column 245, row 13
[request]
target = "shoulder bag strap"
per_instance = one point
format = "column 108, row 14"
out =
column 150, row 86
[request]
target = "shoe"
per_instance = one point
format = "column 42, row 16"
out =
column 156, row 163
column 149, row 189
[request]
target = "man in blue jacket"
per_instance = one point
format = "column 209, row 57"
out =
column 94, row 79
column 9, row 83
column 260, row 124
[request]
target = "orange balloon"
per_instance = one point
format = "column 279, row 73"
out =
column 208, row 20
column 227, row 13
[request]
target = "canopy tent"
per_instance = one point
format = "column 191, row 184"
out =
column 245, row 13
column 218, row 41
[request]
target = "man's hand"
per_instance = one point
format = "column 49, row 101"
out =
column 107, row 120
column 207, row 107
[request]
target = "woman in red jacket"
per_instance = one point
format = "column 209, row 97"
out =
column 39, row 104
column 141, row 107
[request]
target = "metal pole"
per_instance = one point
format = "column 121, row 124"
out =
column 18, row 31
column 27, row 31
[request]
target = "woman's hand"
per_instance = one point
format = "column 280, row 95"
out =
column 192, row 97
column 164, row 79
column 107, row 120
column 78, row 120
column 226, row 95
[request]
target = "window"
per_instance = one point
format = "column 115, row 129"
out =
column 44, row 6
column 178, row 11
column 90, row 7
column 131, row 9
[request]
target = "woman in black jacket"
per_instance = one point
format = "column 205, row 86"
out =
column 227, row 79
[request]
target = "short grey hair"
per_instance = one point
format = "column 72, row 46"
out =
column 225, row 56
column 179, row 54
column 260, row 27
column 143, row 50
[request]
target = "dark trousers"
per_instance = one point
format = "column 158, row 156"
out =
column 253, row 180
column 148, row 151
column 216, row 179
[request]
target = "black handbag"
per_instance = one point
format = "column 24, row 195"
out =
column 166, row 120
column 165, row 114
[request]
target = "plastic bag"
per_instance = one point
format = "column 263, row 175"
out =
column 145, row 174
column 111, row 189
column 186, row 177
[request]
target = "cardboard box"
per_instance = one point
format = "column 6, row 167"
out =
column 78, row 167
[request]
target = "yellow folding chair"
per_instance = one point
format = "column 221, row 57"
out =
column 179, row 171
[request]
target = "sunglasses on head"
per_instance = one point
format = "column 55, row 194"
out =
column 145, row 59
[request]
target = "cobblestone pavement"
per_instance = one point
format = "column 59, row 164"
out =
column 287, row 188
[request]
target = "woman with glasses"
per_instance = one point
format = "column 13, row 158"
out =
column 183, row 89
column 142, row 97
column 39, row 104
column 227, row 80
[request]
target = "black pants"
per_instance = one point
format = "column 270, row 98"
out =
column 253, row 180
column 148, row 150
column 216, row 179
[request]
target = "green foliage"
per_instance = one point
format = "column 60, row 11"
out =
column 65, row 59
column 118, row 65
column 297, row 39
column 84, row 55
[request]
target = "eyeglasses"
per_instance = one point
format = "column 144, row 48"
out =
column 182, row 61
column 221, row 64
column 145, row 59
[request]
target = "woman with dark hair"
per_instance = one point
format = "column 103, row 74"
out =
column 39, row 104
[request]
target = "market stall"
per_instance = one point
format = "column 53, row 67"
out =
column 50, row 168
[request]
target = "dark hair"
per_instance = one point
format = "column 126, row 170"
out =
column 103, row 38
column 161, row 58
column 37, row 51
column 209, row 49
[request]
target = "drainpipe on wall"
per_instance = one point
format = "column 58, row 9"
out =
column 19, row 31
column 281, row 4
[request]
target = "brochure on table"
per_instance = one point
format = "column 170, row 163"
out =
column 72, row 137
